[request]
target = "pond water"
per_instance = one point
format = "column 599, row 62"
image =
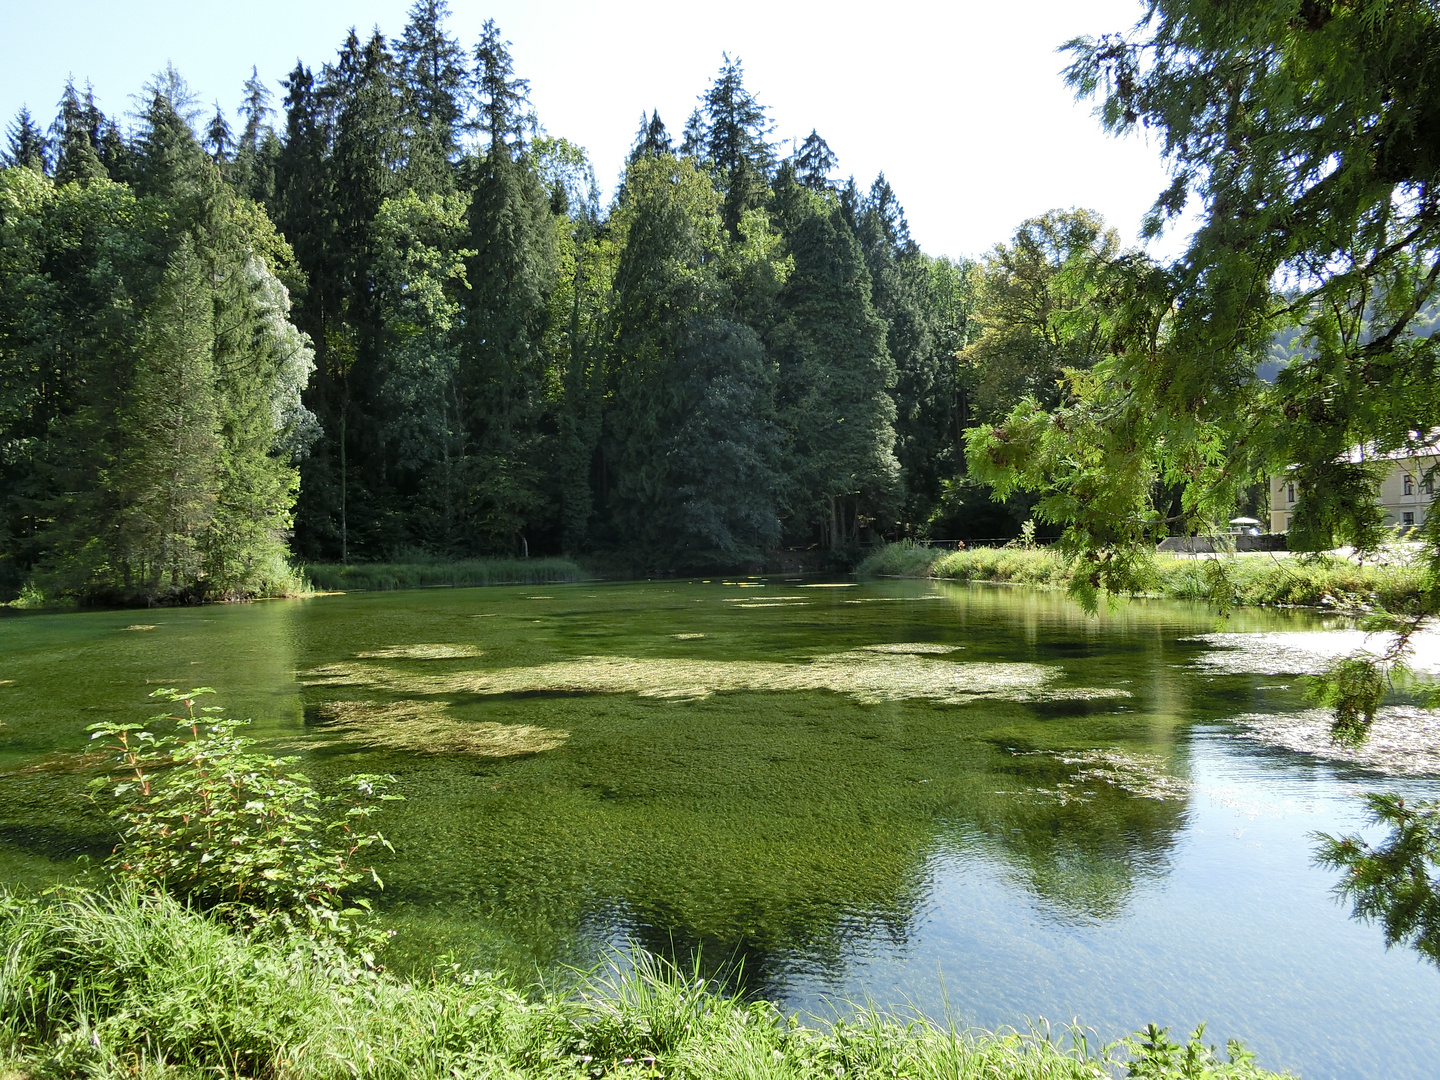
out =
column 972, row 798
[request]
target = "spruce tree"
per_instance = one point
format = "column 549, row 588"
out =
column 814, row 162
column 652, row 140
column 257, row 148
column 218, row 142
column 75, row 136
column 433, row 73
column 924, row 387
column 28, row 146
column 734, row 135
column 835, row 375
column 504, row 101
column 167, row 473
column 511, row 272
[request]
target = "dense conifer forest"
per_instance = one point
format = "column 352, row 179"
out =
column 389, row 317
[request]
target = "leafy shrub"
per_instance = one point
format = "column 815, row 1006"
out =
column 214, row 823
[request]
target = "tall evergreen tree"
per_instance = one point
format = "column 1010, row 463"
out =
column 504, row 100
column 734, row 140
column 652, row 140
column 218, row 141
column 507, row 310
column 27, row 145
column 75, row 136
column 169, row 466
column 433, row 71
column 814, row 162
column 835, row 374
column 257, row 148
column 924, row 392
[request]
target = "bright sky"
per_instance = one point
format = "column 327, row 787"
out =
column 960, row 103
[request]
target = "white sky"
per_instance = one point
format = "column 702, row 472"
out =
column 961, row 104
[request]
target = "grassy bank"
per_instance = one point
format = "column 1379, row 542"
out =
column 1256, row 580
column 368, row 577
column 128, row 984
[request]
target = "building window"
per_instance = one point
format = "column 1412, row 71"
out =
column 1409, row 484
column 1289, row 494
column 1287, row 524
column 1407, row 518
column 1428, row 486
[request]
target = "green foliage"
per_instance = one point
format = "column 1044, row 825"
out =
column 1396, row 881
column 1155, row 1056
column 1352, row 687
column 122, row 982
column 441, row 573
column 212, row 822
column 1035, row 312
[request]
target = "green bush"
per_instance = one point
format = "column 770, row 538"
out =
column 208, row 820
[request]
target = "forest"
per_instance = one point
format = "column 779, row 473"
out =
column 389, row 318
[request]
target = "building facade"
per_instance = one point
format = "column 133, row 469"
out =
column 1407, row 493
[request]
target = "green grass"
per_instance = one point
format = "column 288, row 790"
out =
column 1256, row 580
column 121, row 983
column 370, row 577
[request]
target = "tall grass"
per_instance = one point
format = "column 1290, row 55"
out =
column 905, row 559
column 1252, row 580
column 123, row 983
column 369, row 577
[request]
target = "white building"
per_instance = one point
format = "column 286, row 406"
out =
column 1406, row 493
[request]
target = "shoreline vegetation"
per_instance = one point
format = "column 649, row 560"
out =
column 125, row 982
column 430, row 574
column 314, row 579
column 1262, row 580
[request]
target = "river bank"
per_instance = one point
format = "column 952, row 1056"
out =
column 1266, row 579
column 124, row 983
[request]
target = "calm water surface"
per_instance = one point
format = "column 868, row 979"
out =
column 973, row 798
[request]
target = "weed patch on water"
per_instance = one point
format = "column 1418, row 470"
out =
column 1144, row 776
column 427, row 727
column 1403, row 740
column 423, row 652
column 867, row 676
column 1305, row 652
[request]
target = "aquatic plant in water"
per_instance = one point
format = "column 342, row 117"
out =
column 868, row 675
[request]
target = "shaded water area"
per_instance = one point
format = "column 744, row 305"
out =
column 972, row 798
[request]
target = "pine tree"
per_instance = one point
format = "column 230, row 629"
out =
column 924, row 388
column 734, row 133
column 835, row 374
column 218, row 142
column 504, row 366
column 433, row 72
column 167, row 474
column 75, row 136
column 652, row 140
column 166, row 153
column 814, row 162
column 504, row 100
column 28, row 146
column 257, row 150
